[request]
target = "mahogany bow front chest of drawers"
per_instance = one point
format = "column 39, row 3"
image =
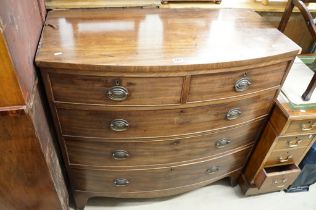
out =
column 154, row 102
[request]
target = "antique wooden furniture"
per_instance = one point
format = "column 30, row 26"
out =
column 30, row 173
column 310, row 23
column 286, row 139
column 156, row 102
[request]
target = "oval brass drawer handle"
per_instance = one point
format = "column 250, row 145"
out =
column 242, row 84
column 212, row 170
column 120, row 155
column 120, row 182
column 233, row 114
column 294, row 142
column 117, row 93
column 119, row 125
column 222, row 142
column 283, row 160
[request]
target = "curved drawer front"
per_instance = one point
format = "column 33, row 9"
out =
column 230, row 84
column 140, row 153
column 117, row 181
column 133, row 124
column 116, row 90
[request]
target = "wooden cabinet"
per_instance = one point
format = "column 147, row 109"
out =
column 145, row 111
column 285, row 141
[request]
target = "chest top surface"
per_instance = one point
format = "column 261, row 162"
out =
column 146, row 38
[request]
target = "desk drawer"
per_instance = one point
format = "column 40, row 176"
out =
column 277, row 178
column 294, row 141
column 155, row 123
column 139, row 153
column 301, row 127
column 278, row 157
column 231, row 84
column 116, row 90
column 121, row 180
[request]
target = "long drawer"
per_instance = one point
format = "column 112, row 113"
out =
column 152, row 123
column 118, row 181
column 82, row 151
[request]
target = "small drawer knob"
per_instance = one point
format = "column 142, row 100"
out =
column 212, row 170
column 242, row 84
column 233, row 114
column 117, row 93
column 120, row 155
column 284, row 160
column 120, row 182
column 119, row 125
column 222, row 142
column 280, row 183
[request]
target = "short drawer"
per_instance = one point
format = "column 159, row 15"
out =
column 157, row 123
column 121, row 180
column 277, row 178
column 278, row 157
column 116, row 90
column 301, row 127
column 294, row 141
column 231, row 84
column 128, row 153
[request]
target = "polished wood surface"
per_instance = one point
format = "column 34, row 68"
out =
column 75, row 122
column 62, row 4
column 92, row 152
column 156, row 179
column 72, row 40
column 10, row 94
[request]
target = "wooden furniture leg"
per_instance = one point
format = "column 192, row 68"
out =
column 81, row 200
column 310, row 89
column 234, row 178
column 286, row 16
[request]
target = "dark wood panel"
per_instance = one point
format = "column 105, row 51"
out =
column 141, row 153
column 176, row 42
column 219, row 86
column 24, row 174
column 22, row 25
column 158, row 178
column 163, row 122
column 94, row 90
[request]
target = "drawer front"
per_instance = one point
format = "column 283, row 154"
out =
column 116, row 91
column 294, row 141
column 277, row 178
column 301, row 127
column 117, row 181
column 153, row 123
column 140, row 153
column 285, row 156
column 230, row 84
